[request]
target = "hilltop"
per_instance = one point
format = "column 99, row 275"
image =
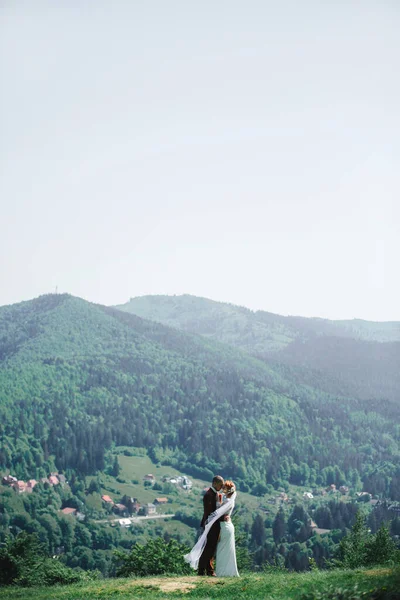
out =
column 373, row 583
column 351, row 358
column 246, row 328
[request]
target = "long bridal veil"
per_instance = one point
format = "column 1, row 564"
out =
column 194, row 556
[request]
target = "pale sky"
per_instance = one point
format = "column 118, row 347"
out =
column 247, row 151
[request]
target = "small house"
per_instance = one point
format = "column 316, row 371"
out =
column 69, row 511
column 30, row 485
column 186, row 483
column 149, row 509
column 149, row 477
column 53, row 480
column 107, row 499
column 364, row 496
column 19, row 486
column 9, row 480
column 120, row 508
column 161, row 501
column 125, row 522
column 135, row 505
column 344, row 489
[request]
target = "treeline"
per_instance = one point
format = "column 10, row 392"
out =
column 86, row 544
column 290, row 540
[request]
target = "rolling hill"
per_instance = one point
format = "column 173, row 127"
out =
column 77, row 378
column 354, row 358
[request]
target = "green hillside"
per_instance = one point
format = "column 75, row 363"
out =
column 354, row 358
column 260, row 331
column 77, row 378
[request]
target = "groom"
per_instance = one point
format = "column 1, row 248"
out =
column 210, row 505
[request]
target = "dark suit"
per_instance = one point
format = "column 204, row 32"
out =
column 206, row 559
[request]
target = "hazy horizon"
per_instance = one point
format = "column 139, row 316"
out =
column 244, row 152
column 116, row 305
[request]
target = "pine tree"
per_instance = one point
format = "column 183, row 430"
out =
column 115, row 468
column 258, row 534
column 279, row 526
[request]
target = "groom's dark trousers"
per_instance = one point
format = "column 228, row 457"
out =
column 206, row 559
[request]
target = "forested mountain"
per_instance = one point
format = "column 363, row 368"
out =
column 76, row 377
column 261, row 331
column 356, row 358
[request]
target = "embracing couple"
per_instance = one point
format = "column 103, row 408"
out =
column 218, row 536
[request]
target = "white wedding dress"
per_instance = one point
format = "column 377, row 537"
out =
column 226, row 551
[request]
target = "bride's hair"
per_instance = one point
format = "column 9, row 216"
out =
column 230, row 487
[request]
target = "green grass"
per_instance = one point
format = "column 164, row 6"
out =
column 136, row 467
column 266, row 586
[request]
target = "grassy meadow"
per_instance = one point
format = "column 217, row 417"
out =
column 315, row 585
column 134, row 468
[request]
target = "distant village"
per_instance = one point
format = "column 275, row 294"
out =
column 127, row 507
column 131, row 506
column 331, row 489
column 27, row 486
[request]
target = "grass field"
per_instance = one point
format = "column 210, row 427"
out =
column 266, row 586
column 134, row 468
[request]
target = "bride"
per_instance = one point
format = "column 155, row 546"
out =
column 226, row 552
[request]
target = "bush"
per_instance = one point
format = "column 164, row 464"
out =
column 50, row 572
column 156, row 557
column 259, row 489
column 24, row 562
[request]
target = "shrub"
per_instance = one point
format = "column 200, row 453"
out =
column 259, row 490
column 24, row 562
column 156, row 557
